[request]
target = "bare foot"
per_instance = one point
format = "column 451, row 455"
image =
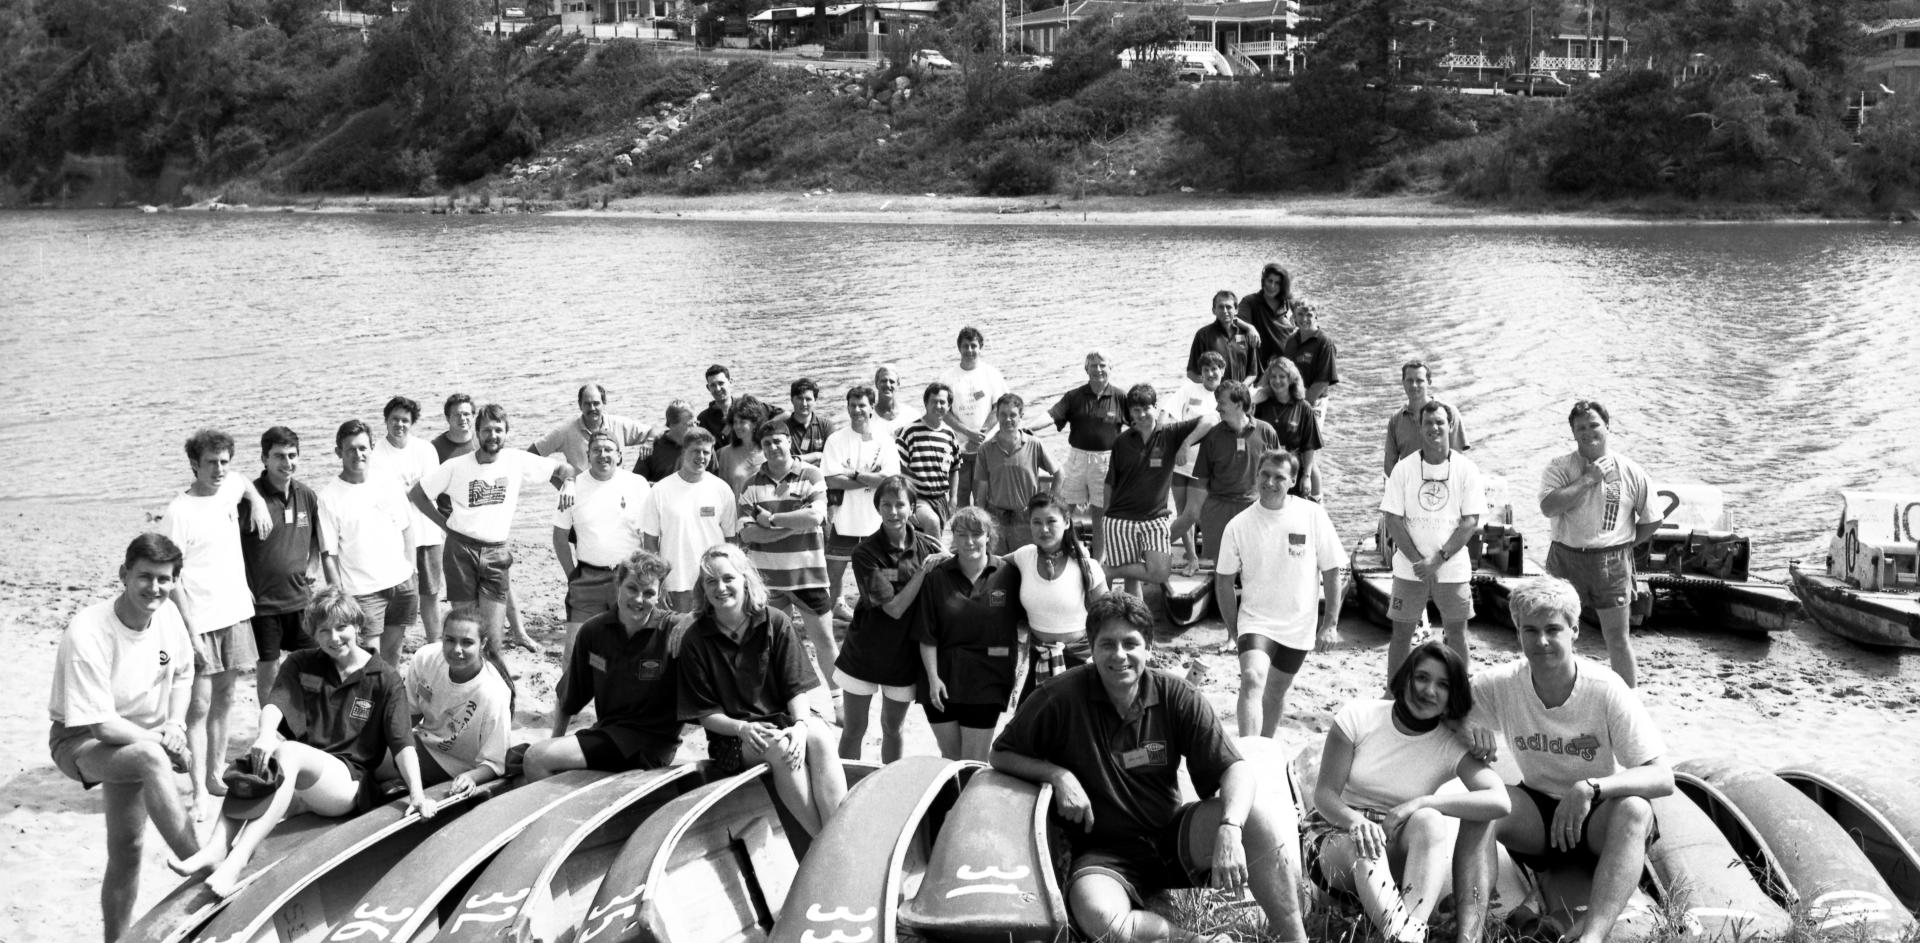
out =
column 525, row 641
column 223, row 884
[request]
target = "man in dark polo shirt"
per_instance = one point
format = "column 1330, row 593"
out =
column 1138, row 541
column 1231, row 338
column 1109, row 737
column 1224, row 470
column 720, row 387
column 1313, row 352
column 278, row 564
column 808, row 428
column 1092, row 415
column 664, row 459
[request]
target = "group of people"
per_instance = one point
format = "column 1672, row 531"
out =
column 689, row 549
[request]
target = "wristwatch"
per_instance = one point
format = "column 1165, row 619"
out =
column 1594, row 784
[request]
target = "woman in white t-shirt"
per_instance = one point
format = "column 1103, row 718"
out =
column 464, row 706
column 1379, row 830
column 1058, row 580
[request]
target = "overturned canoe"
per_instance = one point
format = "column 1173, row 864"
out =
column 1877, row 812
column 1697, row 874
column 991, row 878
column 181, row 914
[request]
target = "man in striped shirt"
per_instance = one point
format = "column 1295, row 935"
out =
column 782, row 508
column 928, row 451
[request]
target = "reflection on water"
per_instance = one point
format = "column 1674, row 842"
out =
column 1776, row 361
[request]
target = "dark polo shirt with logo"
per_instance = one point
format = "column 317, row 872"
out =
column 277, row 564
column 356, row 718
column 1092, row 420
column 631, row 683
column 1229, row 461
column 1128, row 765
column 967, row 621
column 1241, row 347
column 880, row 649
column 751, row 680
column 1140, row 472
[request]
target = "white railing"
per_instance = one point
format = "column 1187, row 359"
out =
column 343, row 18
column 1265, row 47
column 618, row 31
column 1540, row 63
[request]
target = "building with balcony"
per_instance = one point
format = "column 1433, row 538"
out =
column 1566, row 51
column 1891, row 59
column 1247, row 37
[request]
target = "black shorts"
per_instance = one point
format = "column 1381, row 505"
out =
column 813, row 599
column 975, row 716
column 602, row 753
column 1285, row 660
column 1159, row 862
column 281, row 632
column 431, row 772
column 1579, row 855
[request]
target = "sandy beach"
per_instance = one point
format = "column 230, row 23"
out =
column 1804, row 696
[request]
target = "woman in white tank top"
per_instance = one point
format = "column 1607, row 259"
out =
column 1057, row 580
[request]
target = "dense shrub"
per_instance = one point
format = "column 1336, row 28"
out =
column 1015, row 171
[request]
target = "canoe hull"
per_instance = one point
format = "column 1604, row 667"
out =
column 1698, row 874
column 1877, row 812
column 991, row 878
column 1877, row 619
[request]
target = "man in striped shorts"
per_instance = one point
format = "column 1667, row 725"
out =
column 1139, row 477
column 928, row 453
column 782, row 508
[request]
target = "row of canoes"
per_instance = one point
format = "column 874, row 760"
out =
column 950, row 851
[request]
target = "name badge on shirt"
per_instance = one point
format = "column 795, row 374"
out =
column 888, row 574
column 1239, row 445
column 979, row 394
column 1153, row 753
column 652, row 669
column 361, row 709
column 310, row 684
column 999, row 651
column 289, row 514
column 709, row 511
column 1297, row 545
column 596, row 662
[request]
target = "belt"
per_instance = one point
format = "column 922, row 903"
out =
column 1595, row 551
column 474, row 541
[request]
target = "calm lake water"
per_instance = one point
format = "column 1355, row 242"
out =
column 1776, row 361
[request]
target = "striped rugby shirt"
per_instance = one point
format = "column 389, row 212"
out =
column 798, row 560
column 927, row 456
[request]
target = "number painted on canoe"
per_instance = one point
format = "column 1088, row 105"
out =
column 474, row 905
column 1840, row 908
column 617, row 909
column 840, row 914
column 976, row 878
column 371, row 920
column 1903, row 521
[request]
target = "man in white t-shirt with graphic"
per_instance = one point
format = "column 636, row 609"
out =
column 367, row 540
column 688, row 512
column 1431, row 508
column 597, row 531
column 1287, row 557
column 212, row 593
column 121, row 682
column 976, row 386
column 1590, row 760
column 1600, row 504
column 485, row 487
column 403, row 456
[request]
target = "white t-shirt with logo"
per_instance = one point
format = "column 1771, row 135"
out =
column 687, row 517
column 845, row 453
column 1432, row 499
column 465, row 725
column 364, row 527
column 1601, row 729
column 484, row 496
column 105, row 670
column 1605, row 516
column 974, row 392
column 605, row 517
column 213, row 580
column 410, row 465
column 1390, row 767
column 1192, row 401
column 1279, row 556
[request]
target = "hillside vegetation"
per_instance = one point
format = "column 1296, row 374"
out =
column 105, row 101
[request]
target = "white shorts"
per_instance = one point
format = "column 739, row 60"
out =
column 898, row 693
column 1084, row 481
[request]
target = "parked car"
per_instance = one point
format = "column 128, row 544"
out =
column 515, row 13
column 932, row 59
column 1033, row 63
column 1542, row 84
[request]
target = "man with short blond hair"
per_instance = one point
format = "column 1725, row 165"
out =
column 1093, row 415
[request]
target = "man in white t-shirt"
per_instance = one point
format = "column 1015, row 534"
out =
column 121, row 682
column 571, row 440
column 402, row 456
column 976, row 386
column 1600, row 504
column 1195, row 400
column 855, row 461
column 689, row 511
column 367, row 540
column 1287, row 557
column 485, row 487
column 212, row 593
column 1430, row 509
column 1590, row 760
column 597, row 531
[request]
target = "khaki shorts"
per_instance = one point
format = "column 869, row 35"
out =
column 476, row 568
column 1084, row 481
column 1603, row 578
column 65, row 744
column 1410, row 598
column 589, row 592
column 224, row 650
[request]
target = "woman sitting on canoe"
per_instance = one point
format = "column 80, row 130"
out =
column 465, row 709
column 620, row 666
column 879, row 656
column 744, row 676
column 966, row 640
column 335, row 712
column 1376, row 813
column 1057, row 582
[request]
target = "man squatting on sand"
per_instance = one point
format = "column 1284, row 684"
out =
column 693, row 630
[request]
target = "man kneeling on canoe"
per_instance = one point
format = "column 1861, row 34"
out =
column 1109, row 738
column 1589, row 757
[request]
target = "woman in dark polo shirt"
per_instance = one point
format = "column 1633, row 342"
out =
column 744, row 676
column 879, row 655
column 966, row 640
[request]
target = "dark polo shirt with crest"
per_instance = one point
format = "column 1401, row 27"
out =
column 632, row 684
column 752, row 679
column 357, row 718
column 1128, row 765
column 1140, row 473
column 967, row 621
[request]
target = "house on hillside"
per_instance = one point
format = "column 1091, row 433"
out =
column 847, row 27
column 1252, row 36
column 622, row 19
column 1570, row 50
column 1892, row 58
